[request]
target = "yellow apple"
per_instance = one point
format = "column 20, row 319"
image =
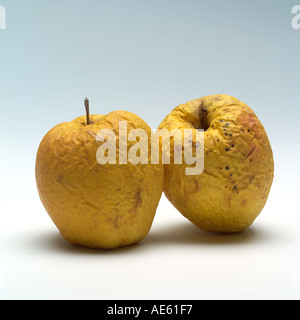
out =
column 238, row 165
column 97, row 205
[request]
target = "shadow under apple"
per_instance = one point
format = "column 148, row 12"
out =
column 184, row 232
column 177, row 233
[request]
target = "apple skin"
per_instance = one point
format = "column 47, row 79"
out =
column 238, row 165
column 97, row 206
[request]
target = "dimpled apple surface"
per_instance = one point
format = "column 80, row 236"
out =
column 238, row 165
column 96, row 205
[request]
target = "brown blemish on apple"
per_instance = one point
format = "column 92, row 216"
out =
column 218, row 98
column 196, row 183
column 252, row 151
column 193, row 186
column 138, row 198
column 248, row 122
column 115, row 220
column 235, row 189
column 243, row 202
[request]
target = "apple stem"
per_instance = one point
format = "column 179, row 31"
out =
column 87, row 108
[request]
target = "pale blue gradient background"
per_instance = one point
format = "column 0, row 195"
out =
column 145, row 57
